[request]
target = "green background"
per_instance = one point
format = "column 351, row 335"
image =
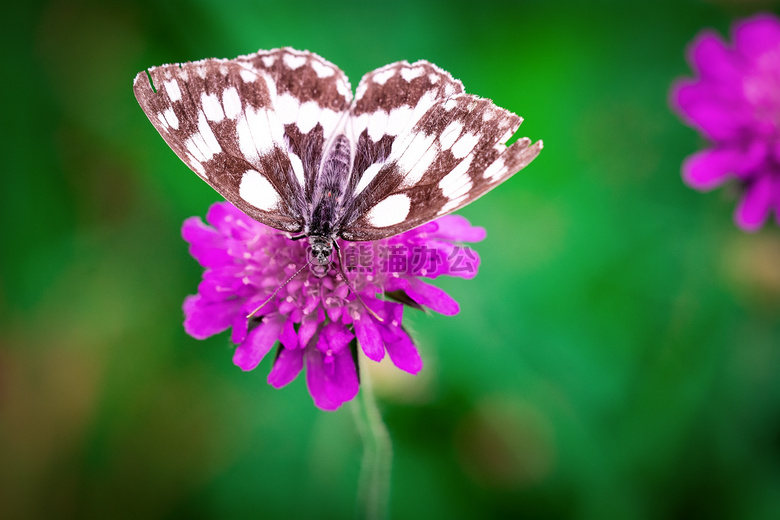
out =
column 618, row 355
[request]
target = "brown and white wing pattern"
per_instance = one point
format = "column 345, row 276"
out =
column 278, row 134
column 253, row 127
column 424, row 149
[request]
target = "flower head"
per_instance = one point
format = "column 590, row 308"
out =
column 735, row 103
column 316, row 315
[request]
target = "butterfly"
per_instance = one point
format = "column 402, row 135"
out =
column 279, row 134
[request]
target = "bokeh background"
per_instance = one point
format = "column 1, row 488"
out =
column 618, row 355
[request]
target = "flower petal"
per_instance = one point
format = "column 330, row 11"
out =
column 458, row 228
column 331, row 386
column 286, row 367
column 708, row 169
column 204, row 318
column 432, row 297
column 756, row 36
column 369, row 337
column 709, row 54
column 287, row 336
column 207, row 245
column 224, row 216
column 336, row 336
column 720, row 117
column 404, row 354
column 755, row 205
column 309, row 326
column 259, row 341
column 240, row 328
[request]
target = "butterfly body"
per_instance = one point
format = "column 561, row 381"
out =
column 279, row 135
column 330, row 190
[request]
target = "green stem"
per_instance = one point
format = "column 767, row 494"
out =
column 374, row 485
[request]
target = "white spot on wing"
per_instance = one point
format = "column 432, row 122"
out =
column 343, row 89
column 248, row 76
column 208, row 136
column 322, row 70
column 359, row 124
column 287, row 106
column 495, row 170
column 245, row 141
column 461, row 168
column 231, row 102
column 328, row 119
column 377, row 122
column 294, row 62
column 275, row 127
column 452, row 204
column 297, row 167
column 416, row 157
column 464, row 145
column 172, row 88
column 307, row 116
column 170, row 117
column 419, row 169
column 203, row 145
column 456, row 184
column 509, row 133
column 212, row 107
column 449, row 104
column 410, row 73
column 423, row 105
column 368, row 176
column 393, row 210
column 192, row 147
column 257, row 191
column 382, row 76
column 398, row 120
column 268, row 61
column 362, row 86
column 450, row 134
column 259, row 139
column 162, row 120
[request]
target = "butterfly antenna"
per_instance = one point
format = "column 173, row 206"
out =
column 277, row 290
column 357, row 294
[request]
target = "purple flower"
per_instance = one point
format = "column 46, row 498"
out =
column 735, row 103
column 316, row 316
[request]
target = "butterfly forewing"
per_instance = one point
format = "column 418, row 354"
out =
column 313, row 97
column 389, row 101
column 449, row 150
column 252, row 127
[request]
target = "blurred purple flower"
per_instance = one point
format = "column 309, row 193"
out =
column 735, row 103
column 314, row 317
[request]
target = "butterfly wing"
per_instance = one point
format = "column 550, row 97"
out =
column 424, row 149
column 253, row 127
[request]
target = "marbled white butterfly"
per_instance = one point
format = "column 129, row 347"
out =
column 278, row 134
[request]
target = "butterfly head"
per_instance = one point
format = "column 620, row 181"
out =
column 321, row 248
